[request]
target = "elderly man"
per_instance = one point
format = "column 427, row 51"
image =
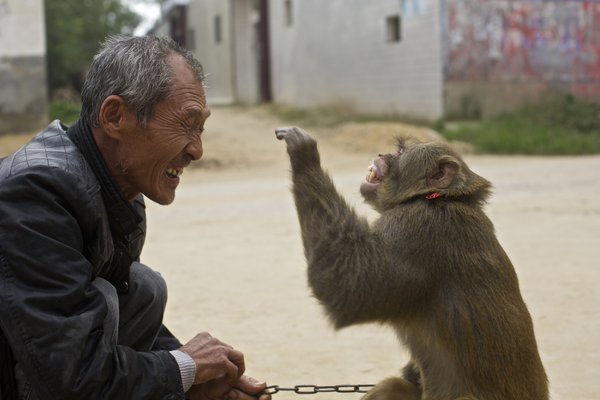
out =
column 80, row 316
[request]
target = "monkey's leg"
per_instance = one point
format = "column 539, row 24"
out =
column 393, row 389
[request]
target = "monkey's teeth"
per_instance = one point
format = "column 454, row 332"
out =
column 372, row 176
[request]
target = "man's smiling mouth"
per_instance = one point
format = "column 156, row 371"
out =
column 174, row 172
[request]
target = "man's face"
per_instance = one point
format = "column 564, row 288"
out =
column 152, row 158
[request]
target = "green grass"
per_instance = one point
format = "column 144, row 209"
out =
column 68, row 113
column 557, row 125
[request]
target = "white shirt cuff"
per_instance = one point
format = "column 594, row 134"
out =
column 187, row 368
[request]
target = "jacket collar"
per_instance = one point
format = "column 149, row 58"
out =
column 123, row 218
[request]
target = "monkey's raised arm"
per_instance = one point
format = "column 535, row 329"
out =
column 345, row 256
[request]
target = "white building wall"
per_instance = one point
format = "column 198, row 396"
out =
column 336, row 53
column 245, row 49
column 23, row 93
column 22, row 28
column 216, row 58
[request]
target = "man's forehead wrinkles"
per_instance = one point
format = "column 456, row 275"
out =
column 193, row 112
column 187, row 100
column 192, row 93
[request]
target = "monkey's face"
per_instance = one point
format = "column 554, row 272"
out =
column 396, row 177
column 418, row 170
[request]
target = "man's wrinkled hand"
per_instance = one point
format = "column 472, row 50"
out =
column 247, row 388
column 244, row 388
column 214, row 359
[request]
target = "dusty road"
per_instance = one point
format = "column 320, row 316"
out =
column 230, row 250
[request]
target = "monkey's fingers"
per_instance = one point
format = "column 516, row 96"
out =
column 293, row 135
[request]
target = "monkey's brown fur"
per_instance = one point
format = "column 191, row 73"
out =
column 430, row 268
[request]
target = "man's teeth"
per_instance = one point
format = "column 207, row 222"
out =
column 174, row 171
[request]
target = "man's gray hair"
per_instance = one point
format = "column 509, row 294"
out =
column 136, row 69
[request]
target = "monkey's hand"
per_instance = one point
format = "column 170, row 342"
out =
column 294, row 137
column 301, row 147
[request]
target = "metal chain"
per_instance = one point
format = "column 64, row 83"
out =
column 314, row 389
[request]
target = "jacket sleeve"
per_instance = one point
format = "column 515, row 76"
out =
column 51, row 314
column 166, row 340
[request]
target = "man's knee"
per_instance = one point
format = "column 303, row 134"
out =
column 142, row 308
column 148, row 287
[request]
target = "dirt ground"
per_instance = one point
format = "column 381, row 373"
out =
column 230, row 250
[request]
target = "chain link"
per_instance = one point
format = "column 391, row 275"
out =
column 314, row 389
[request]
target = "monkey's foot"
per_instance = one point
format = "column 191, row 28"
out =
column 393, row 389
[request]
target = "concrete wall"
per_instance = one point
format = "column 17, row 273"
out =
column 231, row 64
column 216, row 57
column 503, row 53
column 23, row 91
column 245, row 49
column 336, row 52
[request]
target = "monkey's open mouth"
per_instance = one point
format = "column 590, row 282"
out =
column 377, row 171
column 374, row 175
column 369, row 186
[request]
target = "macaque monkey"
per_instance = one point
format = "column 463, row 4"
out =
column 430, row 267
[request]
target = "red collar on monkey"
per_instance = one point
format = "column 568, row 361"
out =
column 433, row 196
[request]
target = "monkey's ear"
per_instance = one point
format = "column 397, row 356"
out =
column 447, row 168
column 400, row 145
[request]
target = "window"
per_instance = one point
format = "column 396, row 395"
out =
column 393, row 25
column 217, row 26
column 289, row 16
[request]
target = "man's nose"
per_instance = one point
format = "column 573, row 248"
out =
column 195, row 150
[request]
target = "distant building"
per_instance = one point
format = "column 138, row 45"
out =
column 23, row 92
column 423, row 58
column 230, row 38
column 376, row 57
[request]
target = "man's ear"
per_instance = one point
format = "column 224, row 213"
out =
column 447, row 168
column 115, row 117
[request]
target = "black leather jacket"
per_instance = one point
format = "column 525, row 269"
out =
column 56, row 235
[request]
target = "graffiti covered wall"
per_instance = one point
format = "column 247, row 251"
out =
column 537, row 42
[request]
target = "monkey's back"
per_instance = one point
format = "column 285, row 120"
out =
column 476, row 335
